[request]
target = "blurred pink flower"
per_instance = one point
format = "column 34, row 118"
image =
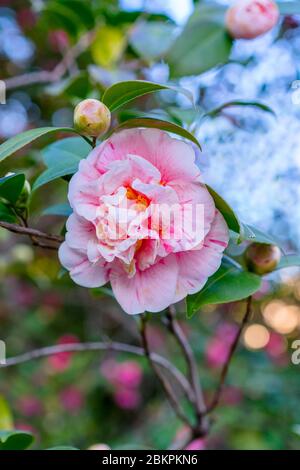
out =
column 72, row 399
column 24, row 295
column 247, row 19
column 217, row 349
column 123, row 374
column 216, row 352
column 30, row 406
column 116, row 232
column 26, row 18
column 197, row 444
column 20, row 426
column 58, row 40
column 276, row 345
column 127, row 398
column 129, row 374
column 61, row 361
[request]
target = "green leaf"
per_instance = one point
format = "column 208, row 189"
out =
column 63, row 210
column 11, row 187
column 70, row 15
column 203, row 44
column 62, row 158
column 69, row 150
column 227, row 212
column 6, row 420
column 228, row 284
column 7, row 214
column 55, row 172
column 19, row 141
column 123, row 92
column 158, row 124
column 15, row 440
column 151, row 40
column 253, row 234
column 289, row 261
column 255, row 104
column 289, row 8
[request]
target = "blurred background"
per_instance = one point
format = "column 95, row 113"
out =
column 249, row 156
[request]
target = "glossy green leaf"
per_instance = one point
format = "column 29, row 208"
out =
column 229, row 104
column 69, row 150
column 11, row 187
column 55, row 172
column 203, row 44
column 15, row 440
column 63, row 210
column 123, row 92
column 151, row 40
column 7, row 214
column 253, row 234
column 19, row 141
column 62, row 158
column 227, row 212
column 228, row 284
column 158, row 124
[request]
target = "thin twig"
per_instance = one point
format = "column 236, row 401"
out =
column 175, row 328
column 218, row 393
column 98, row 346
column 44, row 76
column 31, row 232
column 164, row 383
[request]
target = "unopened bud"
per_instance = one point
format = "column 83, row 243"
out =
column 92, row 118
column 248, row 19
column 262, row 258
column 22, row 202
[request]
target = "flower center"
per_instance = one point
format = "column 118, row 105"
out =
column 139, row 198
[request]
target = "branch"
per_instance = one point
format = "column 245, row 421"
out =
column 58, row 72
column 218, row 393
column 37, row 235
column 164, row 383
column 175, row 328
column 98, row 346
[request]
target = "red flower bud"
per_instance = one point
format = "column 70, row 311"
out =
column 262, row 258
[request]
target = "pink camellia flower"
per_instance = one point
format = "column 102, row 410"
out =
column 120, row 230
column 247, row 19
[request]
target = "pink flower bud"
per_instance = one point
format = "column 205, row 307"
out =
column 92, row 118
column 247, row 19
column 262, row 258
